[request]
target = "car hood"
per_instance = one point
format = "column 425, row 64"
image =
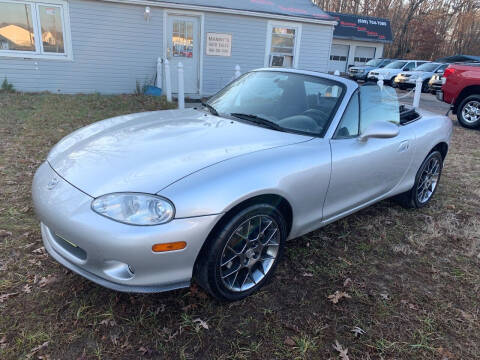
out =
column 146, row 152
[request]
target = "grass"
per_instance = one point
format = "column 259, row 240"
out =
column 413, row 276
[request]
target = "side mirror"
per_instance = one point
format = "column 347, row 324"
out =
column 380, row 130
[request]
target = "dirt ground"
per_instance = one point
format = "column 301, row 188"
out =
column 407, row 281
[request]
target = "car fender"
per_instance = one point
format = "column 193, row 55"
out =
column 300, row 173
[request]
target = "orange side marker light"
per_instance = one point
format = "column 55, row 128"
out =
column 178, row 245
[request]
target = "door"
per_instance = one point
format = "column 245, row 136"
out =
column 339, row 57
column 363, row 54
column 363, row 171
column 183, row 46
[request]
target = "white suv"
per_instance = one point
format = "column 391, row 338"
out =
column 390, row 71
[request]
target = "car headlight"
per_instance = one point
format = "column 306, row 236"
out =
column 134, row 208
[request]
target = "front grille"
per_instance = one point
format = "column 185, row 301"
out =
column 353, row 71
column 74, row 250
column 374, row 73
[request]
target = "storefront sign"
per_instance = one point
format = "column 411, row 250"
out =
column 219, row 44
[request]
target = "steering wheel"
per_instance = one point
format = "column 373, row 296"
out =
column 319, row 116
column 301, row 123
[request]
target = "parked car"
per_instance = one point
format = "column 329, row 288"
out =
column 408, row 79
column 435, row 83
column 462, row 90
column 361, row 72
column 143, row 202
column 390, row 71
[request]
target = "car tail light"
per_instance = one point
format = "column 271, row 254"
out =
column 448, row 71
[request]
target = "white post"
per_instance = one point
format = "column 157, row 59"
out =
column 380, row 81
column 336, row 73
column 237, row 71
column 168, row 81
column 158, row 83
column 418, row 92
column 181, row 87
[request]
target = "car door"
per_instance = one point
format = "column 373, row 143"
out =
column 365, row 171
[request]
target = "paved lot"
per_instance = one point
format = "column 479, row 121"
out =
column 427, row 101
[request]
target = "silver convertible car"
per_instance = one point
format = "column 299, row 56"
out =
column 148, row 201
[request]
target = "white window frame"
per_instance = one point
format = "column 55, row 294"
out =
column 39, row 53
column 296, row 46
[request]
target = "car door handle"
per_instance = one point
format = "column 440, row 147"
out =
column 403, row 146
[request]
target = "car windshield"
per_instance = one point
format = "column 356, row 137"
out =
column 396, row 65
column 282, row 101
column 427, row 67
column 374, row 62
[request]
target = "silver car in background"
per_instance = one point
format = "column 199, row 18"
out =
column 407, row 79
column 145, row 202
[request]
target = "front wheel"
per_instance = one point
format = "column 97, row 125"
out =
column 468, row 112
column 242, row 255
column 426, row 182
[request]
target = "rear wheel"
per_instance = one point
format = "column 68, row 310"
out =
column 468, row 112
column 426, row 182
column 242, row 255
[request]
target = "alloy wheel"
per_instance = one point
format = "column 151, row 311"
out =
column 428, row 180
column 471, row 112
column 250, row 253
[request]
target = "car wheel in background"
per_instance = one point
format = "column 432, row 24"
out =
column 426, row 182
column 425, row 86
column 241, row 256
column 468, row 113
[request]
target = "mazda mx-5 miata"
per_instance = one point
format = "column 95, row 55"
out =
column 148, row 201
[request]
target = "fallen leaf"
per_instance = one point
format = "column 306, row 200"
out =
column 4, row 233
column 201, row 323
column 37, row 349
column 385, row 296
column 445, row 354
column 289, row 341
column 357, row 331
column 44, row 281
column 27, row 289
column 342, row 352
column 335, row 298
column 108, row 322
column 40, row 251
column 4, row 297
column 347, row 282
column 307, row 274
column 142, row 350
column 466, row 315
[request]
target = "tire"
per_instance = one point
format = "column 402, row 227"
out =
column 425, row 86
column 392, row 82
column 229, row 267
column 413, row 198
column 466, row 112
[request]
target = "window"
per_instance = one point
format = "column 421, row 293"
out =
column 410, row 66
column 338, row 58
column 361, row 59
column 349, row 125
column 282, row 48
column 31, row 29
column 378, row 105
column 294, row 102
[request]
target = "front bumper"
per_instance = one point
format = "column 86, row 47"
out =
column 115, row 255
column 357, row 76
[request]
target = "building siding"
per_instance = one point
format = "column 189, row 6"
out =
column 248, row 48
column 114, row 47
column 315, row 47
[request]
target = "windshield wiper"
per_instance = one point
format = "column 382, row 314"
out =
column 258, row 120
column 210, row 108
